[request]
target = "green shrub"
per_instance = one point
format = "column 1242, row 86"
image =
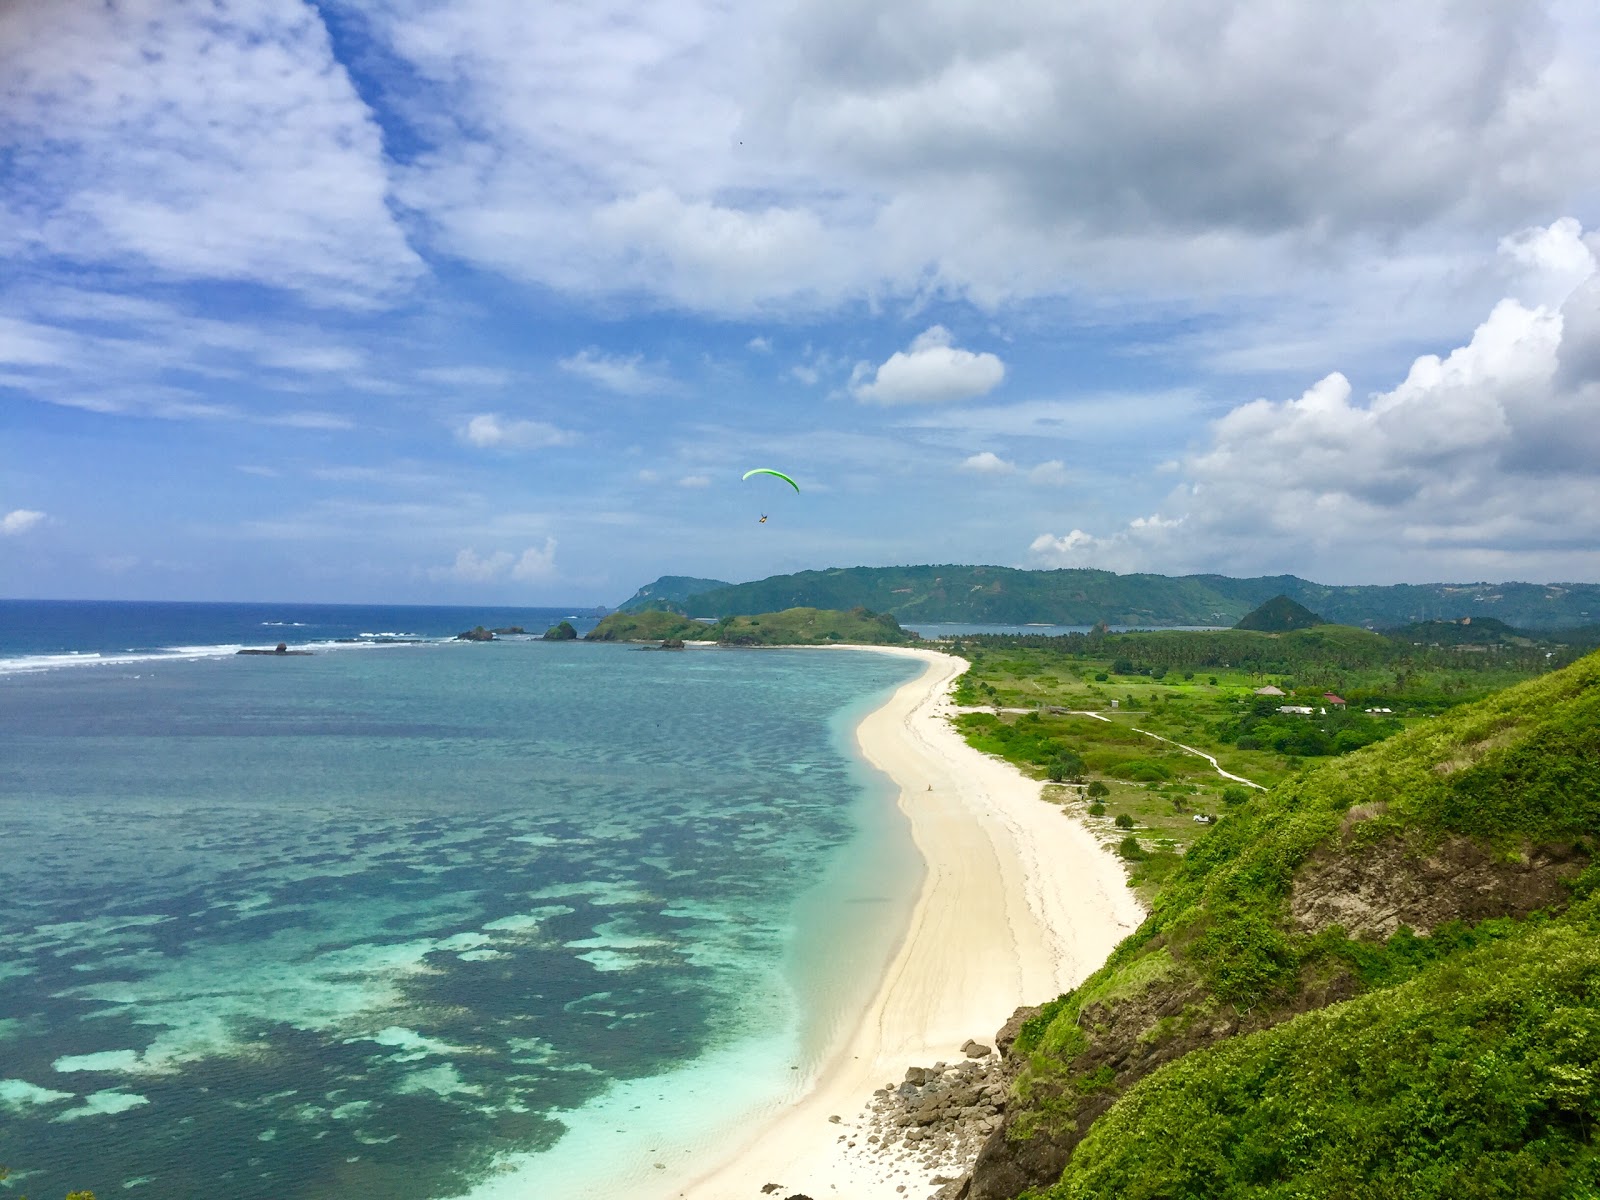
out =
column 1097, row 809
column 1124, row 821
column 1130, row 849
column 1235, row 794
column 1100, row 676
column 1098, row 788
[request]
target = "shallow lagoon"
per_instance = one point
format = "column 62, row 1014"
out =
column 386, row 921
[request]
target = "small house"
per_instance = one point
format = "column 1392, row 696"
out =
column 1333, row 700
column 1299, row 710
column 1269, row 690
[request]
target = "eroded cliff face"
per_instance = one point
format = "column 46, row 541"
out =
column 1371, row 894
column 1140, row 1020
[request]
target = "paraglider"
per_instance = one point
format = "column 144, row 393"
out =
column 779, row 475
column 770, row 471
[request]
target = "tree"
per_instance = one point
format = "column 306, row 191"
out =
column 1124, row 821
column 1098, row 788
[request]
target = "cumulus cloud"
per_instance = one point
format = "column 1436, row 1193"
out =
column 732, row 157
column 234, row 147
column 492, row 431
column 1482, row 459
column 987, row 462
column 1052, row 473
column 931, row 371
column 534, row 563
column 470, row 567
column 19, row 520
column 625, row 374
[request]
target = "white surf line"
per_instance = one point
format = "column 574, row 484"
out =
column 1078, row 712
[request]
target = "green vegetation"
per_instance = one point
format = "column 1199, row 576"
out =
column 646, row 627
column 1279, row 615
column 1381, row 978
column 667, row 591
column 5, row 1174
column 792, row 627
column 562, row 631
column 1084, row 597
column 812, row 627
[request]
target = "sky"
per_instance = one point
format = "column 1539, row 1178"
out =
column 462, row 301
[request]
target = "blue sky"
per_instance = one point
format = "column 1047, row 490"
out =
column 495, row 301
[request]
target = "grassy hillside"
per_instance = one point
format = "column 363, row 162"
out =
column 647, row 627
column 1084, row 597
column 812, row 627
column 669, row 590
column 1420, row 858
column 792, row 627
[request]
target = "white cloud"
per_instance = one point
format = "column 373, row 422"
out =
column 987, row 462
column 626, row 374
column 536, row 562
column 932, row 370
column 1064, row 551
column 695, row 481
column 469, row 567
column 231, row 147
column 492, row 431
column 19, row 520
column 1479, row 462
column 759, row 345
column 736, row 157
column 1051, row 474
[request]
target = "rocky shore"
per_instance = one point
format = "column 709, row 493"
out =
column 928, row 1128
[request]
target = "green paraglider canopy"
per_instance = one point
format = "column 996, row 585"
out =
column 770, row 471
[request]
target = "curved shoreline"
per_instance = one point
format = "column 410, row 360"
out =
column 1019, row 903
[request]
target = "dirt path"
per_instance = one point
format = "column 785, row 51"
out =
column 1078, row 712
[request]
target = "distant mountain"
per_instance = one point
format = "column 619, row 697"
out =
column 1006, row 595
column 1279, row 615
column 669, row 591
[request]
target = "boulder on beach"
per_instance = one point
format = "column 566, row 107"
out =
column 476, row 634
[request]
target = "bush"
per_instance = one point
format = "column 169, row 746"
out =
column 1097, row 809
column 1100, row 677
column 1235, row 794
column 1213, row 681
column 1130, row 849
column 1188, row 675
column 1056, row 773
column 1124, row 821
column 1098, row 788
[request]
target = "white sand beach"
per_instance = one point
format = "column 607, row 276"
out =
column 1019, row 904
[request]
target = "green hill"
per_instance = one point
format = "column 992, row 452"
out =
column 647, row 627
column 1373, row 980
column 1007, row 595
column 792, row 627
column 1279, row 615
column 667, row 591
column 813, row 627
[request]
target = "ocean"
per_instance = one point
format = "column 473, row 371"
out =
column 435, row 919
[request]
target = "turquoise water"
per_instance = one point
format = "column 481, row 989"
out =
column 389, row 921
